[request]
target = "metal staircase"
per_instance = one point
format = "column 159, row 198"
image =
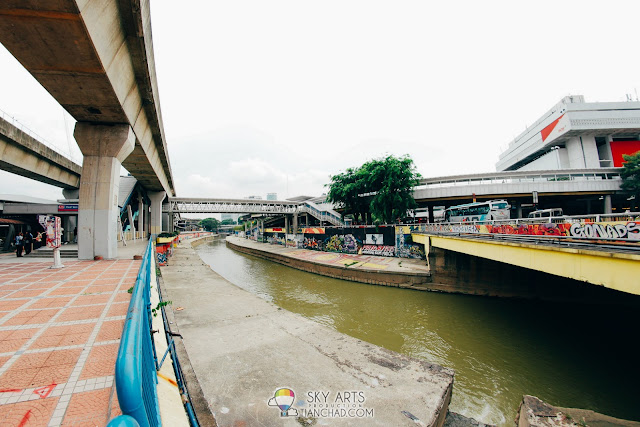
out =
column 321, row 213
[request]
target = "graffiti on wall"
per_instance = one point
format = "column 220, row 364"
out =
column 405, row 247
column 350, row 240
column 595, row 230
column 589, row 230
column 379, row 250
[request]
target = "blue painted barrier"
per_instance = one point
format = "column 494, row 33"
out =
column 135, row 375
column 123, row 421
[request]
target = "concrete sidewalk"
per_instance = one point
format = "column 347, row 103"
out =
column 243, row 348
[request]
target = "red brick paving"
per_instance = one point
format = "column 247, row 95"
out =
column 89, row 409
column 111, row 330
column 51, row 326
column 14, row 340
column 32, row 413
column 101, row 361
column 60, row 336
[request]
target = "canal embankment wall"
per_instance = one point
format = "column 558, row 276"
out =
column 243, row 348
column 358, row 272
column 447, row 271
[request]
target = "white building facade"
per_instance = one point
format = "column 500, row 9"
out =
column 575, row 134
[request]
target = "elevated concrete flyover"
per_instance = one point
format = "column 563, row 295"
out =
column 96, row 59
column 519, row 186
column 22, row 154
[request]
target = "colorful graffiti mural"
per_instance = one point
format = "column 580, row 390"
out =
column 405, row 248
column 379, row 250
column 589, row 230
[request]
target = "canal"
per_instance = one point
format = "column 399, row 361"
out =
column 581, row 356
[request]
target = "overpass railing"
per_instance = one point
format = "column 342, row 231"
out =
column 135, row 375
column 522, row 177
column 323, row 215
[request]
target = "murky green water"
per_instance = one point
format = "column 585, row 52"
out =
column 572, row 356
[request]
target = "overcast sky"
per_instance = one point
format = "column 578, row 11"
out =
column 276, row 96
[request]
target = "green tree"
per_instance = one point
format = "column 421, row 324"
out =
column 391, row 179
column 228, row 221
column 631, row 176
column 382, row 187
column 346, row 192
column 209, row 224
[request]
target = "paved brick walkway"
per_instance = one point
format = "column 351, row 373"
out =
column 59, row 336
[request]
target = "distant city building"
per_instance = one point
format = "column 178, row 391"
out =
column 272, row 196
column 576, row 134
column 233, row 217
column 254, row 197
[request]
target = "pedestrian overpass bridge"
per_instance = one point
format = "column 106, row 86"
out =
column 323, row 213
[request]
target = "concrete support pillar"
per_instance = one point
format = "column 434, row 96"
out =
column 286, row 224
column 104, row 148
column 518, row 209
column 607, row 204
column 431, row 216
column 141, row 216
column 155, row 218
column 69, row 223
column 295, row 223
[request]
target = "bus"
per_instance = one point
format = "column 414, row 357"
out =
column 546, row 213
column 481, row 211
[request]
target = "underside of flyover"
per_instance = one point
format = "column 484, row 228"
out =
column 455, row 272
column 96, row 59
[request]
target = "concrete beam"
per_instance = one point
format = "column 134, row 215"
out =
column 96, row 59
column 26, row 156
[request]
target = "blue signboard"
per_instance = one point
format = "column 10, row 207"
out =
column 68, row 208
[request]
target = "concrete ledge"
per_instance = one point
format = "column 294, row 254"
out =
column 243, row 348
column 401, row 279
column 533, row 412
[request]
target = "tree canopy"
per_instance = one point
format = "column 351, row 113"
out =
column 381, row 187
column 209, row 224
column 631, row 175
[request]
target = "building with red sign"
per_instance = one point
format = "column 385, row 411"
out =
column 576, row 134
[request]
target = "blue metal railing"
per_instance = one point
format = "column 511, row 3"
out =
column 136, row 377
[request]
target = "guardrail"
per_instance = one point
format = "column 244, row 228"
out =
column 135, row 376
column 623, row 227
column 327, row 216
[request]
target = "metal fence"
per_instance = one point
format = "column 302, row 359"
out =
column 136, row 377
